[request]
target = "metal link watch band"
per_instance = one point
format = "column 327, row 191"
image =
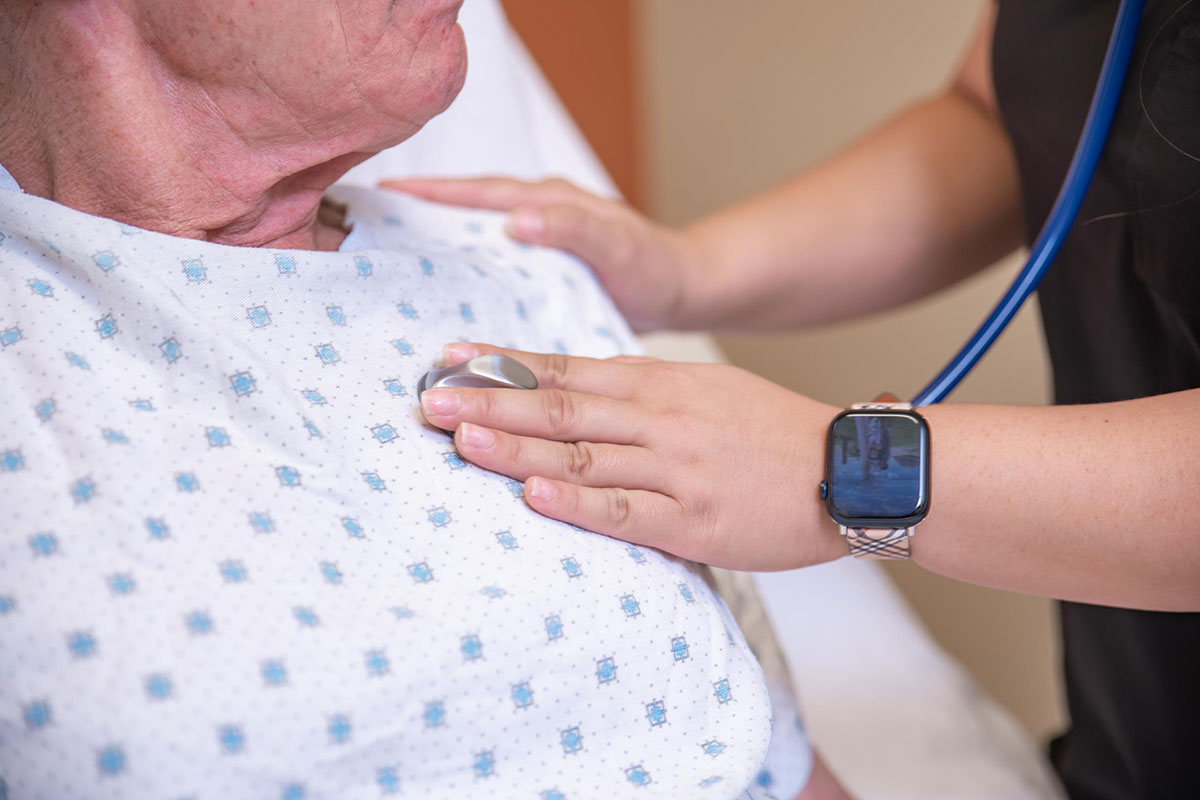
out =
column 880, row 543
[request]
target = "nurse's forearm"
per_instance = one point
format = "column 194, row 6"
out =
column 1096, row 503
column 925, row 200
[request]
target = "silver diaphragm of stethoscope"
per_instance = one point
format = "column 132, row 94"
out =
column 482, row 372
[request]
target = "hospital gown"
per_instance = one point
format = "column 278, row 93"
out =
column 236, row 563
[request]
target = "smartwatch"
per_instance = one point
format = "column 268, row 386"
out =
column 876, row 484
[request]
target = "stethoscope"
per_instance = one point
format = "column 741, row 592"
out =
column 504, row 372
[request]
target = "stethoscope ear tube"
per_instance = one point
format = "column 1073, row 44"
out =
column 1066, row 206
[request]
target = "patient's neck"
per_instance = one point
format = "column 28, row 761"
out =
column 110, row 131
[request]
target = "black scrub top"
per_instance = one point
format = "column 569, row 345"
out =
column 1121, row 310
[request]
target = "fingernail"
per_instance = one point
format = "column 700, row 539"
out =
column 540, row 488
column 525, row 223
column 440, row 402
column 458, row 351
column 476, row 436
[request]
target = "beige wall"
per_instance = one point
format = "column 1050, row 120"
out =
column 738, row 95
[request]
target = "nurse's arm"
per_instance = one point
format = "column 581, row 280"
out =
column 924, row 200
column 1092, row 503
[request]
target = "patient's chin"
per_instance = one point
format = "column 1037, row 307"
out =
column 439, row 94
column 456, row 67
column 440, row 63
column 409, row 107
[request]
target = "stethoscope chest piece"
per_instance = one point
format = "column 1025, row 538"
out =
column 483, row 372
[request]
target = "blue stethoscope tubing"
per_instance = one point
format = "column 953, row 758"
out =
column 1066, row 206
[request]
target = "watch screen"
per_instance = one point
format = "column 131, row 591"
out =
column 876, row 469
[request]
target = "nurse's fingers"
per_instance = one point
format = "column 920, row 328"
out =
column 555, row 414
column 582, row 463
column 500, row 194
column 609, row 377
column 603, row 242
column 632, row 515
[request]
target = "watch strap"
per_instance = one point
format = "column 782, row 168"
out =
column 880, row 543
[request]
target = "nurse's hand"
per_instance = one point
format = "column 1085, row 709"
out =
column 651, row 271
column 708, row 462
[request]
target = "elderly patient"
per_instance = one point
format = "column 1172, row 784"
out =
column 233, row 561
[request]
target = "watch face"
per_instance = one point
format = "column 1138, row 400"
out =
column 878, row 468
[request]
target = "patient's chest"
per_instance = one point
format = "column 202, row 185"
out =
column 235, row 562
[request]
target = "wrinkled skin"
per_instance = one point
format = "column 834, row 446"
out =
column 223, row 120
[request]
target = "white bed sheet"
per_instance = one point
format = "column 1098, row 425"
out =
column 893, row 715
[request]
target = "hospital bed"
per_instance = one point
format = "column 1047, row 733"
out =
column 894, row 716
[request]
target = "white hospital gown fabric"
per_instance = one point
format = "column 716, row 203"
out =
column 235, row 563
